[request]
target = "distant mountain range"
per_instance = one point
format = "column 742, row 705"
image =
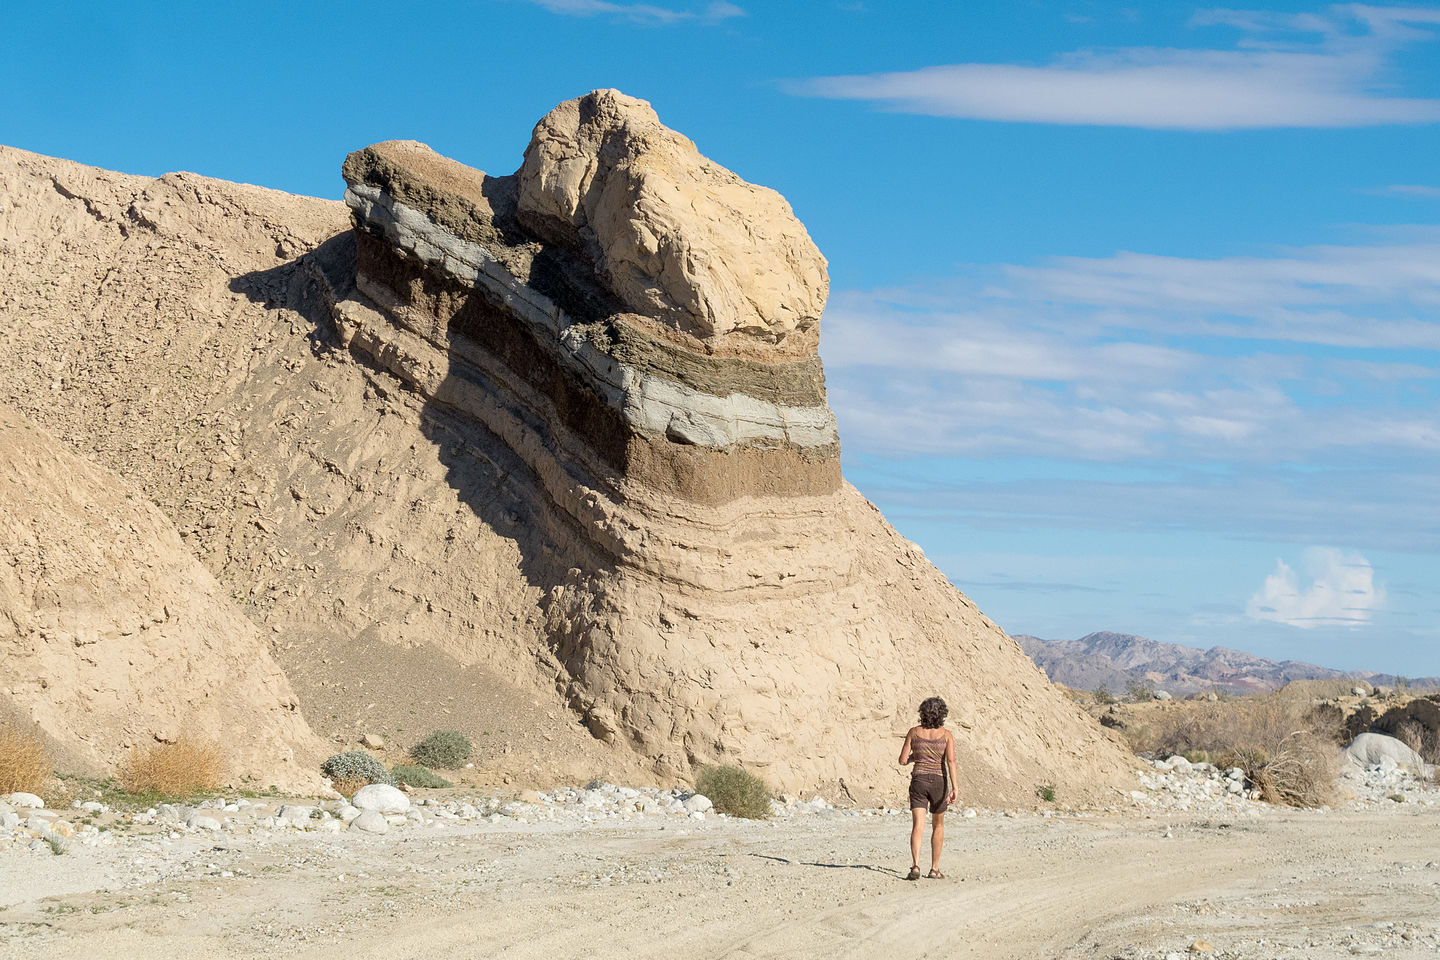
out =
column 1112, row 660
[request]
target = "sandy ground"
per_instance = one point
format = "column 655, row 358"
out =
column 1280, row 884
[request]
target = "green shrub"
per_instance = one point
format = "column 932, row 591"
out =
column 735, row 792
column 417, row 776
column 1045, row 792
column 443, row 750
column 355, row 767
column 1103, row 694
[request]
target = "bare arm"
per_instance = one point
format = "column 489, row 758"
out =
column 950, row 762
column 905, row 748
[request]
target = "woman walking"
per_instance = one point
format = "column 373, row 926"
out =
column 932, row 781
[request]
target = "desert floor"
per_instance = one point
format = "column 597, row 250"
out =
column 1277, row 883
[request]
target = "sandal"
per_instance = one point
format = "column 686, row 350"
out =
column 934, row 874
column 914, row 874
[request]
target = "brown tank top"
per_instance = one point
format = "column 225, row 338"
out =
column 928, row 755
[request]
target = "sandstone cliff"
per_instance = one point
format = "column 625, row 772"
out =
column 561, row 434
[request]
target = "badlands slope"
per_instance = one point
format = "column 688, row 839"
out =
column 544, row 457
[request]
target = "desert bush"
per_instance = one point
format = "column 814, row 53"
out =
column 355, row 769
column 1139, row 691
column 1045, row 792
column 443, row 750
column 735, row 792
column 177, row 769
column 417, row 776
column 24, row 761
column 1103, row 694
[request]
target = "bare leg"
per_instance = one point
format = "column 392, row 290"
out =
column 917, row 829
column 937, row 840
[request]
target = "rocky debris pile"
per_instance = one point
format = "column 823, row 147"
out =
column 1379, row 769
column 1178, row 784
column 1387, row 782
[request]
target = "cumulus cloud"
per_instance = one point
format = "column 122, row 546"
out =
column 644, row 13
column 1334, row 77
column 1339, row 589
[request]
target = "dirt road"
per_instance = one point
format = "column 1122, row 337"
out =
column 1283, row 884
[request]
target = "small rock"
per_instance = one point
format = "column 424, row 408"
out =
column 1201, row 946
column 699, row 803
column 1162, row 695
column 295, row 816
column 199, row 822
column 372, row 742
column 969, row 813
column 371, row 821
column 346, row 812
column 9, row 820
column 331, row 826
column 167, row 813
column 381, row 799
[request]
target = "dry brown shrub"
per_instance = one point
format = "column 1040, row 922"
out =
column 1286, row 748
column 25, row 765
column 1429, row 748
column 349, row 787
column 175, row 769
column 1411, row 732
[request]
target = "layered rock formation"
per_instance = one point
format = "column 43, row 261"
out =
column 640, row 327
column 115, row 636
column 545, row 457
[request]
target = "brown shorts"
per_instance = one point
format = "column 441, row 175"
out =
column 928, row 793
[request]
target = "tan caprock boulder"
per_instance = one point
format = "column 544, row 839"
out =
column 673, row 234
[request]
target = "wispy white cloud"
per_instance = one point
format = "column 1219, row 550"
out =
column 643, row 13
column 1313, row 355
column 1339, row 589
column 1333, row 77
column 1412, row 190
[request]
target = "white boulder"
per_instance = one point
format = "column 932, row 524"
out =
column 381, row 799
column 371, row 821
column 25, row 801
column 1372, row 749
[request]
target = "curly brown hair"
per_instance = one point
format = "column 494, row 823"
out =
column 933, row 713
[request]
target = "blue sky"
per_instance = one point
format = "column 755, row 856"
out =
column 1135, row 309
